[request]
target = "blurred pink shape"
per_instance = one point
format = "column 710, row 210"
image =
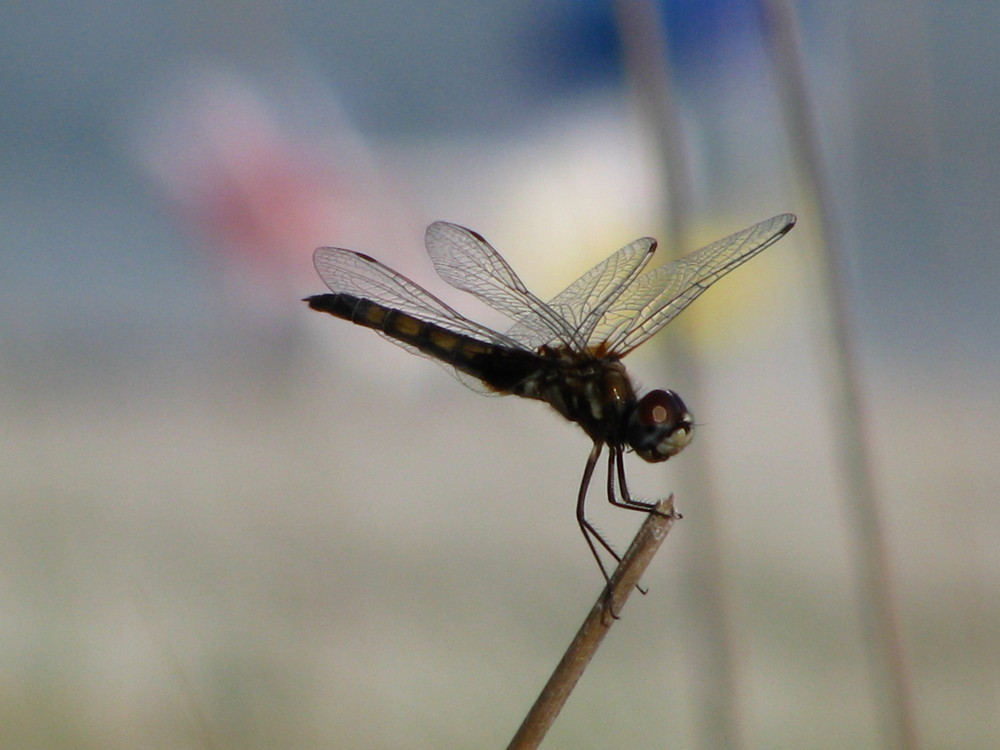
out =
column 254, row 190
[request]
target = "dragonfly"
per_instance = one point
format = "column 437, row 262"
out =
column 566, row 352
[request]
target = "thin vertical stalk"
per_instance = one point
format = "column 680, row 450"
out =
column 871, row 565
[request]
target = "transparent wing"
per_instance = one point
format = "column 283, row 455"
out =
column 468, row 262
column 356, row 274
column 584, row 302
column 658, row 296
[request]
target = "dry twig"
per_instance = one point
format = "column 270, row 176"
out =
column 602, row 615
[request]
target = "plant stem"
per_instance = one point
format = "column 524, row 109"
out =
column 605, row 611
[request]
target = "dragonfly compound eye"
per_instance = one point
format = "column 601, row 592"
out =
column 660, row 426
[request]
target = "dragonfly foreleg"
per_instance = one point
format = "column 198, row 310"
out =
column 616, row 465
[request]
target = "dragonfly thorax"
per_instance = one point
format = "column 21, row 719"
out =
column 596, row 393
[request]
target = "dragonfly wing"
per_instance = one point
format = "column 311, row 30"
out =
column 584, row 302
column 468, row 262
column 358, row 275
column 658, row 296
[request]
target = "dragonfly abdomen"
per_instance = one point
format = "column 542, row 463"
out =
column 500, row 368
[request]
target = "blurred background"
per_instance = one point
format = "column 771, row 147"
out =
column 227, row 521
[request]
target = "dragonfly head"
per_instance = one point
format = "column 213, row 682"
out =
column 660, row 426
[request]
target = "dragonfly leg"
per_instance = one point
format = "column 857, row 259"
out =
column 616, row 465
column 590, row 533
column 628, row 502
column 616, row 462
